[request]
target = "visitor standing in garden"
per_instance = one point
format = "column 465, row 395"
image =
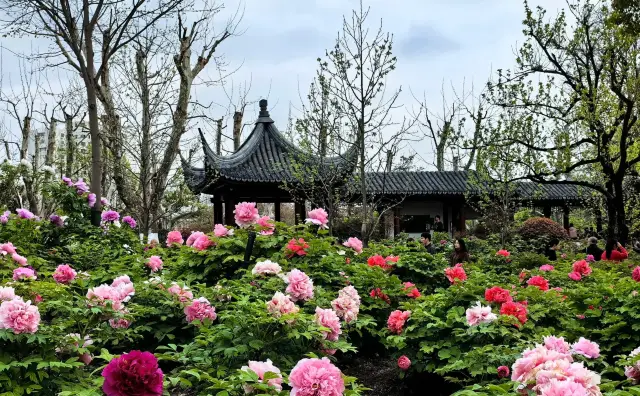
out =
column 425, row 239
column 593, row 249
column 437, row 225
column 460, row 253
column 551, row 249
column 573, row 233
column 614, row 251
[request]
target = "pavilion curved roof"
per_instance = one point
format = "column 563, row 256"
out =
column 265, row 157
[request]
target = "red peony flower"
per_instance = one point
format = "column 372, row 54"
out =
column 377, row 293
column 539, row 282
column 575, row 276
column 393, row 259
column 378, row 261
column 515, row 309
column 522, row 276
column 636, row 274
column 503, row 252
column 296, row 248
column 456, row 273
column 411, row 290
column 498, row 295
column 396, row 321
column 404, row 363
column 503, row 372
column 134, row 373
column 582, row 267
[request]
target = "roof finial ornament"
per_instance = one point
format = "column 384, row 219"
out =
column 263, row 108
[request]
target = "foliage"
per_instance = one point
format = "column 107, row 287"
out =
column 537, row 227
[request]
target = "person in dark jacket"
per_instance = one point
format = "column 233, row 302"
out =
column 593, row 249
column 460, row 253
column 551, row 249
column 614, row 251
column 425, row 239
column 437, row 224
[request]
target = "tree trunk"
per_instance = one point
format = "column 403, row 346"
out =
column 51, row 143
column 145, row 148
column 237, row 129
column 363, row 181
column 622, row 230
column 26, row 131
column 68, row 119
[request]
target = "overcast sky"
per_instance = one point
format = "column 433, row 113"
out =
column 435, row 41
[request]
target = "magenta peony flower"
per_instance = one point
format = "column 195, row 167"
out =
column 134, row 373
column 192, row 238
column 67, row 181
column 404, row 363
column 590, row 258
column 7, row 293
column 56, row 220
column 24, row 274
column 246, row 214
column 575, row 276
column 174, row 238
column 503, row 372
column 355, row 244
column 4, row 218
column 64, row 274
column 281, row 304
column 81, row 187
column 636, row 274
column 503, row 253
column 318, row 217
column 220, row 231
column 553, row 343
column 347, row 305
column 316, row 377
column 19, row 316
column 183, row 293
column 25, row 214
column 20, row 260
column 202, row 243
column 261, row 368
column 300, row 286
column 200, row 309
column 130, row 221
column 479, row 314
column 267, row 225
column 110, row 216
column 586, row 348
column 154, row 263
column 104, row 201
column 327, row 318
column 91, row 199
column 7, row 248
column 266, row 267
column 546, row 267
column 396, row 321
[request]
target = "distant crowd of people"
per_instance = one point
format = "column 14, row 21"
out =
column 613, row 250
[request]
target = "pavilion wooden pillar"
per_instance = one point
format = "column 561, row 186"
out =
column 276, row 210
column 217, row 211
column 565, row 217
column 445, row 217
column 299, row 207
column 547, row 211
column 229, row 206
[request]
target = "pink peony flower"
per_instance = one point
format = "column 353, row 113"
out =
column 7, row 293
column 192, row 238
column 7, row 248
column 539, row 282
column 110, row 216
column 123, row 287
column 328, row 318
column 266, row 267
column 281, row 304
column 202, row 243
column 575, row 276
column 267, row 225
column 503, row 253
column 154, row 263
column 298, row 248
column 200, row 309
column 104, row 201
column 19, row 316
column 563, row 387
column 220, row 231
column 318, row 217
column 316, row 377
column 20, row 260
column 515, row 309
column 183, row 293
column 347, row 305
column 64, row 274
column 119, row 323
column 134, row 373
column 497, row 294
column 25, row 214
column 104, row 293
column 636, row 274
column 479, row 314
column 503, row 372
column 91, row 199
column 586, row 348
column 81, row 187
column 56, row 220
column 563, row 255
column 174, row 238
column 455, row 273
column 411, row 290
column 553, row 343
column 261, row 368
column 582, row 267
column 246, row 214
column 546, row 267
column 355, row 244
column 404, row 363
column 24, row 274
column 633, row 372
column 300, row 286
column 130, row 221
column 396, row 321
